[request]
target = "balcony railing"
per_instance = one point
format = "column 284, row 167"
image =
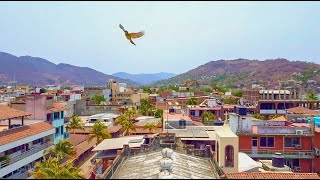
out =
column 23, row 175
column 25, row 154
column 303, row 154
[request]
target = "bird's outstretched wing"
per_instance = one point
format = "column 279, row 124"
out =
column 136, row 35
column 121, row 27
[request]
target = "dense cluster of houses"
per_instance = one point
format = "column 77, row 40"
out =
column 235, row 143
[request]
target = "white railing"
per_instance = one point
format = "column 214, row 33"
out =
column 24, row 175
column 268, row 111
column 25, row 154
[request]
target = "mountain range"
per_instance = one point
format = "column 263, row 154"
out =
column 245, row 71
column 144, row 79
column 38, row 71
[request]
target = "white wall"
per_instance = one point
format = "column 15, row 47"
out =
column 26, row 140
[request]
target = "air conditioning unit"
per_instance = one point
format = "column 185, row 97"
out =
column 317, row 151
column 299, row 132
column 298, row 146
column 297, row 168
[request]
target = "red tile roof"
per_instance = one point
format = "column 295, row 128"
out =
column 271, row 175
column 18, row 133
column 76, row 139
column 58, row 107
column 302, row 110
column 114, row 128
column 10, row 113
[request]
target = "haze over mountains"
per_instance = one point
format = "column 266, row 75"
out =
column 37, row 71
column 145, row 79
column 242, row 71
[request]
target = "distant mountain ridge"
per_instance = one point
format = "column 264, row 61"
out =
column 38, row 71
column 144, row 79
column 244, row 71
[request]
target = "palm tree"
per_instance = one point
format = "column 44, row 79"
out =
column 208, row 117
column 121, row 119
column 274, row 116
column 150, row 127
column 258, row 116
column 312, row 96
column 62, row 149
column 127, row 126
column 192, row 101
column 75, row 123
column 99, row 132
column 51, row 169
column 146, row 107
column 131, row 113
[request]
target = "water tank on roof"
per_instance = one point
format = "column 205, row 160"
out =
column 182, row 124
column 218, row 123
column 278, row 160
column 241, row 110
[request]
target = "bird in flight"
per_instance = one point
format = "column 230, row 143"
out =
column 131, row 36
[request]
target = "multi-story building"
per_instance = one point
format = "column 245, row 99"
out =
column 261, row 139
column 43, row 108
column 21, row 146
column 26, row 89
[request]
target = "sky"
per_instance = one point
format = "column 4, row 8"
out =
column 179, row 36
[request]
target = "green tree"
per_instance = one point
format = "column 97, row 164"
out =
column 208, row 90
column 131, row 113
column 237, row 93
column 258, row 116
column 146, row 107
column 208, row 116
column 75, row 123
column 150, row 127
column 192, row 101
column 158, row 113
column 99, row 132
column 4, row 159
column 312, row 96
column 62, row 149
column 229, row 101
column 50, row 169
column 98, row 99
column 146, row 89
column 127, row 126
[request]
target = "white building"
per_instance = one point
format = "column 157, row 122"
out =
column 107, row 118
column 24, row 145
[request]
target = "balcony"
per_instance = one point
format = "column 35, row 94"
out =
column 25, row 154
column 268, row 111
column 283, row 130
column 20, row 175
column 304, row 154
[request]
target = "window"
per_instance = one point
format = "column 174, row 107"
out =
column 293, row 163
column 56, row 115
column 291, row 141
column 266, row 141
column 62, row 114
column 37, row 141
column 192, row 113
column 229, row 153
column 61, row 127
column 254, row 141
column 57, row 130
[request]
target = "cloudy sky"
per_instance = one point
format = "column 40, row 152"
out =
column 179, row 35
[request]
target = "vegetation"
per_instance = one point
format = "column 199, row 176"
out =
column 192, row 101
column 131, row 113
column 258, row 116
column 4, row 159
column 50, row 169
column 208, row 116
column 274, row 116
column 127, row 126
column 75, row 123
column 146, row 89
column 218, row 88
column 150, row 127
column 237, row 93
column 158, row 113
column 98, row 99
column 230, row 101
column 146, row 107
column 99, row 132
column 208, row 90
column 312, row 96
column 66, row 87
column 62, row 149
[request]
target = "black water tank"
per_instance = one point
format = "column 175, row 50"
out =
column 278, row 160
column 218, row 123
column 240, row 110
column 182, row 124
